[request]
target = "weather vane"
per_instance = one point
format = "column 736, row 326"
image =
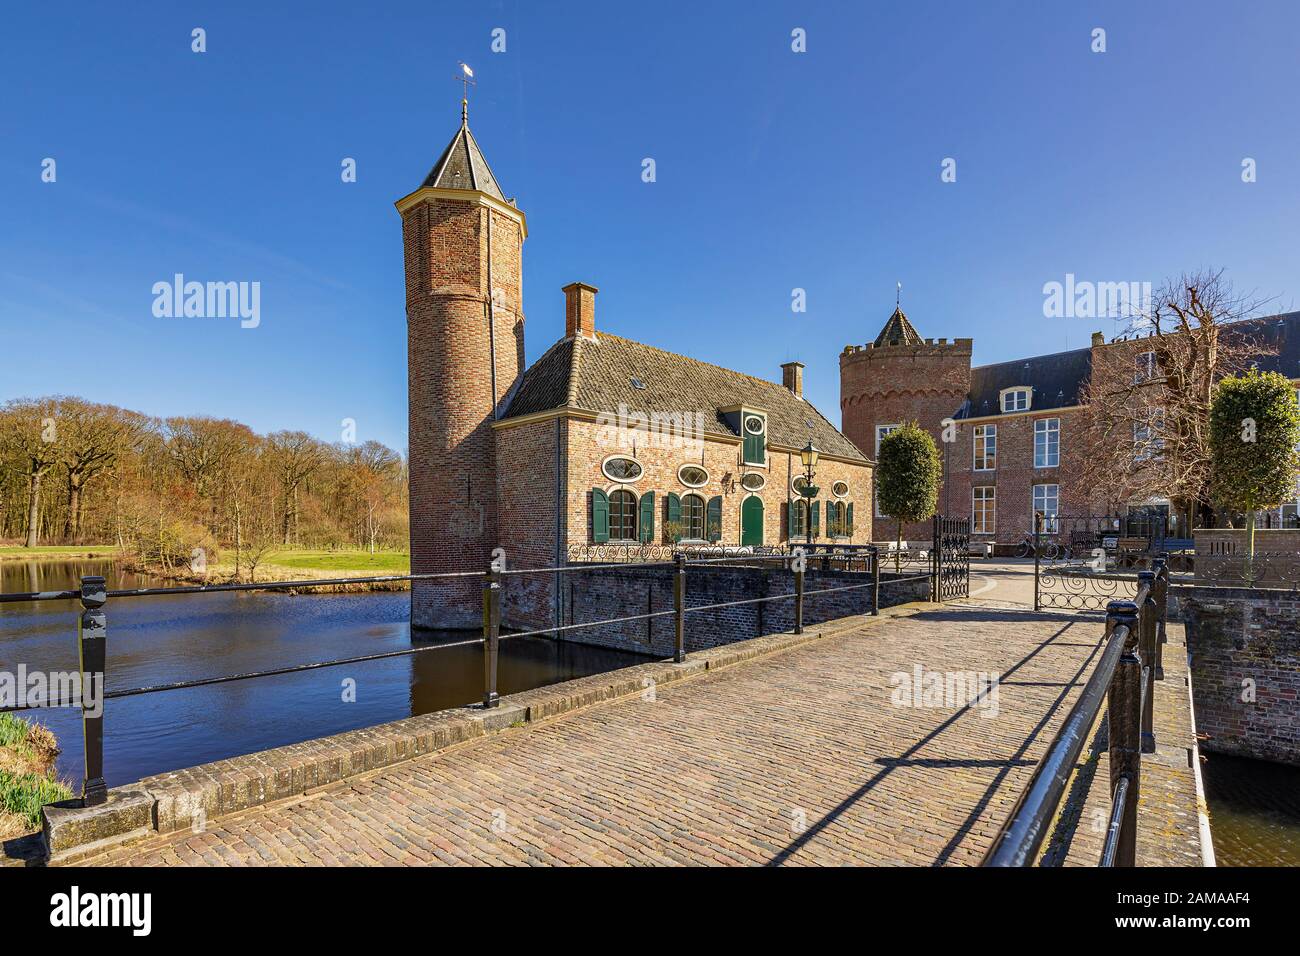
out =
column 898, row 296
column 466, row 78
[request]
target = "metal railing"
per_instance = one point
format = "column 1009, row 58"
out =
column 92, row 631
column 1129, row 665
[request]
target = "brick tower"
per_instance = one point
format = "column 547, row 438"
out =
column 462, row 241
column 901, row 377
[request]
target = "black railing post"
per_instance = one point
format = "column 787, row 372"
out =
column 875, row 579
column 1147, row 655
column 1038, row 530
column 92, row 649
column 491, row 635
column 679, row 607
column 1162, row 611
column 1123, row 718
column 935, row 559
column 799, row 563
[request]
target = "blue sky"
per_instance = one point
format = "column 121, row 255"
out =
column 776, row 170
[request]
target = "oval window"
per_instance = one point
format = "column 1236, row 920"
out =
column 619, row 468
column 692, row 476
column 799, row 483
column 840, row 488
column 753, row 481
column 754, row 425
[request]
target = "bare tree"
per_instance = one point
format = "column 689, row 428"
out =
column 294, row 457
column 29, row 435
column 1146, row 416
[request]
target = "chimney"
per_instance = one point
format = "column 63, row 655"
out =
column 1098, row 339
column 580, row 310
column 792, row 377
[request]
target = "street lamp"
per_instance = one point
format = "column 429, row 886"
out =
column 808, row 455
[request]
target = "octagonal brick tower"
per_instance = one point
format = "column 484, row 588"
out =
column 463, row 243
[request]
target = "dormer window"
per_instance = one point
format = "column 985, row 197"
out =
column 754, row 433
column 1016, row 399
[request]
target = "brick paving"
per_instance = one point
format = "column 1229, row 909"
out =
column 798, row 758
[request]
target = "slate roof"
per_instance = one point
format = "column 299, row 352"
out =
column 597, row 376
column 898, row 331
column 462, row 166
column 1058, row 378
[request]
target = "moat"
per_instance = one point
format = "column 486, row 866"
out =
column 153, row 640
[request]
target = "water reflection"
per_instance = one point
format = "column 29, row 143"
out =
column 1254, row 811
column 159, row 640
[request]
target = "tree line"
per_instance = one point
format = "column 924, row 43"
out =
column 165, row 489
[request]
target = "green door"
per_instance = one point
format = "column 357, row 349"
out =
column 751, row 521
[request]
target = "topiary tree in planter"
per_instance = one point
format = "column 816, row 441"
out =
column 1254, row 430
column 907, row 476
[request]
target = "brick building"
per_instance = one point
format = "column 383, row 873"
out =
column 602, row 441
column 1014, row 425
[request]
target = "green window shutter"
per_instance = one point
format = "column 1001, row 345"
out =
column 785, row 521
column 674, row 513
column 599, row 516
column 648, row 517
column 713, row 518
column 816, row 519
column 848, row 521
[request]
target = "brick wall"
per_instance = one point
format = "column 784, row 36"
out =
column 894, row 384
column 606, row 593
column 1236, row 635
column 591, row 443
column 453, row 500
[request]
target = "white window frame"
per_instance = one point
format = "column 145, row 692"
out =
column 1051, row 522
column 882, row 431
column 988, row 514
column 1009, row 401
column 1144, row 367
column 980, row 436
column 1051, row 428
column 622, row 481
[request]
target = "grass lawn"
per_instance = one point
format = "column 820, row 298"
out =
column 384, row 562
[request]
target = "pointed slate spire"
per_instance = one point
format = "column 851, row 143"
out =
column 461, row 165
column 898, row 331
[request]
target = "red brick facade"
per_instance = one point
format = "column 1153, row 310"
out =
column 482, row 479
column 463, row 263
column 883, row 385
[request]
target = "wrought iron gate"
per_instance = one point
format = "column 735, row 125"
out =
column 950, row 559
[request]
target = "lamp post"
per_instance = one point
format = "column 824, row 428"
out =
column 808, row 455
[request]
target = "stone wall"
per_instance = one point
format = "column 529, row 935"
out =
column 1221, row 558
column 1245, row 646
column 623, row 592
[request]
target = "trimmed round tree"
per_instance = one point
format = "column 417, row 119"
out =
column 908, row 475
column 1254, row 430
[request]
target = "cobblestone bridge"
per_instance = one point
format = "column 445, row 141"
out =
column 777, row 751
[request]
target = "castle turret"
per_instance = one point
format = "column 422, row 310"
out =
column 902, row 377
column 465, row 352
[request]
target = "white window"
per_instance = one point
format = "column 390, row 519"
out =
column 1148, row 436
column 984, row 509
column 1046, row 503
column 1015, row 399
column 1047, row 443
column 1144, row 367
column 881, row 432
column 986, row 447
